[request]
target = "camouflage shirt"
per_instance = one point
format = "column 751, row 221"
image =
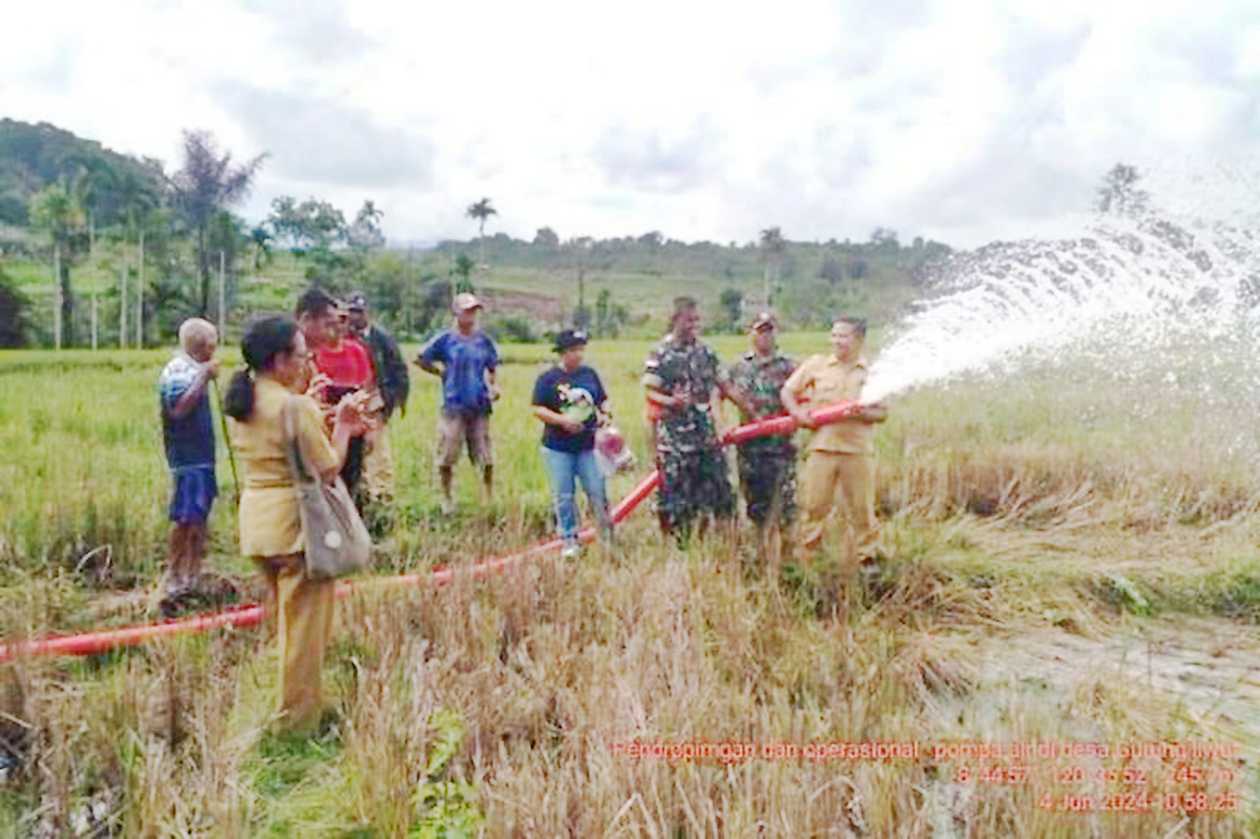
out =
column 690, row 371
column 760, row 380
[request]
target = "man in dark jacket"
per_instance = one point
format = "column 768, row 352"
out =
column 393, row 382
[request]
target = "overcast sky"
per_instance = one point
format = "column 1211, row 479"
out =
column 960, row 121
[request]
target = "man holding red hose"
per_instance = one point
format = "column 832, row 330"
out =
column 767, row 465
column 840, row 466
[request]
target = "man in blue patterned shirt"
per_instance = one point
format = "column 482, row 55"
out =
column 188, row 434
column 465, row 358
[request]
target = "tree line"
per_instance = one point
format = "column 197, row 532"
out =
column 177, row 248
column 169, row 242
column 169, row 232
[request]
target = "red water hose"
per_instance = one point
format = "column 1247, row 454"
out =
column 98, row 642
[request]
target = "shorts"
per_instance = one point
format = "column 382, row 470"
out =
column 194, row 493
column 470, row 429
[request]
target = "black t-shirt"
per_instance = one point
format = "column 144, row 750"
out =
column 576, row 395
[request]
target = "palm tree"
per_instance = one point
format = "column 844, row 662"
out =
column 228, row 237
column 93, row 183
column 261, row 238
column 371, row 213
column 481, row 211
column 55, row 210
column 773, row 245
column 1119, row 192
column 137, row 197
column 365, row 234
column 463, row 267
column 154, row 219
column 581, row 248
column 204, row 186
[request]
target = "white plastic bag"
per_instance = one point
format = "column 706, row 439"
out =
column 611, row 452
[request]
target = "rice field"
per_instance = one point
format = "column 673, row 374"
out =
column 1065, row 573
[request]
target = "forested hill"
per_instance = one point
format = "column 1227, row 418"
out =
column 806, row 281
column 138, row 248
column 32, row 156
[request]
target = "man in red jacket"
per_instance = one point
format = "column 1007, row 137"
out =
column 348, row 367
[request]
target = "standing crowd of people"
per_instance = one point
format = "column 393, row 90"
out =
column 685, row 384
column 320, row 389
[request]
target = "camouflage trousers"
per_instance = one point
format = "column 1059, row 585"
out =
column 767, row 477
column 693, row 484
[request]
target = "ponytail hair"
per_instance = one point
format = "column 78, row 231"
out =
column 238, row 402
column 264, row 339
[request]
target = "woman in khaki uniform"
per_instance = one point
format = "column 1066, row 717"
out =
column 840, row 466
column 270, row 524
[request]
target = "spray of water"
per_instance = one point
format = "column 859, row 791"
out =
column 1141, row 293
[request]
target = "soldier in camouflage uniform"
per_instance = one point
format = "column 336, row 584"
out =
column 683, row 377
column 767, row 465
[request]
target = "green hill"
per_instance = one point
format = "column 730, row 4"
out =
column 808, row 280
column 620, row 285
column 33, row 156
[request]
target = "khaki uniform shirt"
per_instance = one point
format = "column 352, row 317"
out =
column 824, row 380
column 270, row 523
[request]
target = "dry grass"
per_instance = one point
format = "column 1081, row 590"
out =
column 549, row 668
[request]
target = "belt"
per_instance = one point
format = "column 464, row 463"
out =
column 269, row 483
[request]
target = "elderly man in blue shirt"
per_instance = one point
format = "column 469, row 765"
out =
column 465, row 358
column 188, row 435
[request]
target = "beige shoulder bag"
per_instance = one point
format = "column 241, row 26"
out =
column 337, row 542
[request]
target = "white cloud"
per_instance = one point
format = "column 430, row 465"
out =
column 962, row 121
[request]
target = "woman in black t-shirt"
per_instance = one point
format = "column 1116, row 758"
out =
column 570, row 400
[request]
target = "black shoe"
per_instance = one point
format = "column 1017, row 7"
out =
column 174, row 604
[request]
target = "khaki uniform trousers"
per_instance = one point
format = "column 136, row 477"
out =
column 304, row 622
column 378, row 465
column 832, row 479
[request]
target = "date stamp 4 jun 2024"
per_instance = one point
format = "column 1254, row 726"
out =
column 1066, row 776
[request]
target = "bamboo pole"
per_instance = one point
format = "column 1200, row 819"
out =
column 57, row 295
column 222, row 296
column 122, row 308
column 96, row 279
column 140, row 296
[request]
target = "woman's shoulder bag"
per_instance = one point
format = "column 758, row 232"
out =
column 337, row 542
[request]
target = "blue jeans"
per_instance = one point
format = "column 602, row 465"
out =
column 564, row 469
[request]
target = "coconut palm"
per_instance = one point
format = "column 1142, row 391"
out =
column 205, row 185
column 137, row 197
column 462, row 269
column 56, row 210
column 261, row 237
column 481, row 211
column 94, row 185
column 365, row 233
column 773, row 246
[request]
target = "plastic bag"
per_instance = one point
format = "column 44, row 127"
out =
column 611, row 452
